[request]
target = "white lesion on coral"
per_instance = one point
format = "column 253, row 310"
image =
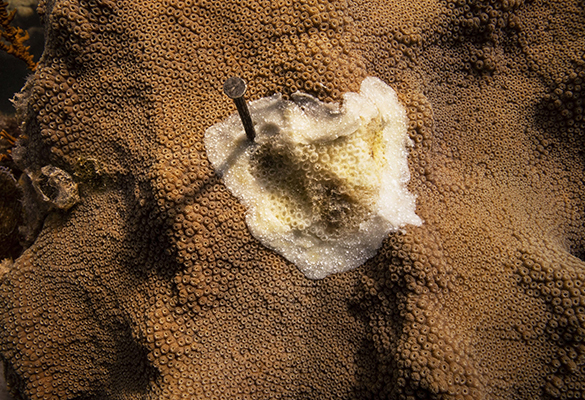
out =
column 323, row 184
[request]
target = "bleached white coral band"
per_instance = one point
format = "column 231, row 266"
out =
column 323, row 185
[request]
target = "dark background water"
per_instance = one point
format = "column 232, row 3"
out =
column 13, row 72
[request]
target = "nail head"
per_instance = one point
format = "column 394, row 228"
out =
column 234, row 87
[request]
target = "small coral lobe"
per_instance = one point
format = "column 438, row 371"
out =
column 55, row 186
column 10, row 215
column 10, row 193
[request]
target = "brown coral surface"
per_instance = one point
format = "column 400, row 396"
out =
column 151, row 285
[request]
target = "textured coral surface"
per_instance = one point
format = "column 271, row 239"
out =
column 151, row 285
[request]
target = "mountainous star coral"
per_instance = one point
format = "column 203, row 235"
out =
column 150, row 284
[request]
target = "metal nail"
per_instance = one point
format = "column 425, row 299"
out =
column 235, row 87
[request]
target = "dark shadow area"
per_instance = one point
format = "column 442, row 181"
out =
column 560, row 120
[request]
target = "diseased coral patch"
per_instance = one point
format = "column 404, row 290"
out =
column 323, row 184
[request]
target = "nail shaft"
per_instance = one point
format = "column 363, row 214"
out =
column 235, row 87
